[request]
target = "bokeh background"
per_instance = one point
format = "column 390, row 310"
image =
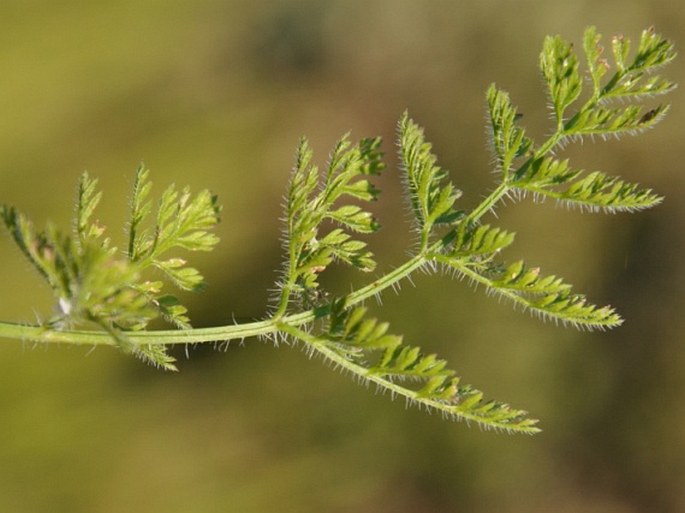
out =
column 215, row 94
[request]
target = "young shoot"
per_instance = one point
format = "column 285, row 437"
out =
column 107, row 296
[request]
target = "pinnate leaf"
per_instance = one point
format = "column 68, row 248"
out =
column 431, row 194
column 556, row 179
column 315, row 197
column 559, row 66
column 509, row 140
column 548, row 297
column 363, row 346
column 482, row 240
column 87, row 201
column 91, row 281
column 597, row 64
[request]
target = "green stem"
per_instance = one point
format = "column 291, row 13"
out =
column 550, row 143
column 269, row 326
column 192, row 336
column 203, row 335
column 487, row 204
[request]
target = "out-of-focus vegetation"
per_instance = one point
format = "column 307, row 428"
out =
column 215, row 94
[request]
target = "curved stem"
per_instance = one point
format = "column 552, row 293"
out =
column 202, row 335
column 191, row 336
column 487, row 204
column 269, row 326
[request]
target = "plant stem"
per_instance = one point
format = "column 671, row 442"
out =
column 487, row 204
column 191, row 336
column 269, row 326
column 202, row 335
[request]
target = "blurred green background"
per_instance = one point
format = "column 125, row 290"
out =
column 216, row 94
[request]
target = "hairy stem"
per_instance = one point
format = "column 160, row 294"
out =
column 269, row 326
column 220, row 333
column 487, row 204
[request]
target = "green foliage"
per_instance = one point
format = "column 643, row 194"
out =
column 313, row 197
column 431, row 194
column 94, row 284
column 541, row 172
column 548, row 297
column 508, row 139
column 363, row 346
column 325, row 216
column 182, row 221
column 549, row 177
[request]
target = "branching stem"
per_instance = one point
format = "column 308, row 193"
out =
column 94, row 288
column 220, row 333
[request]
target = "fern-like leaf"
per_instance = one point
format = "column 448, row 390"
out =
column 313, row 198
column 182, row 221
column 481, row 240
column 87, row 200
column 637, row 79
column 326, row 215
column 548, row 297
column 615, row 122
column 508, row 139
column 597, row 64
column 556, row 179
column 139, row 241
column 431, row 194
column 91, row 281
column 34, row 245
column 631, row 82
column 559, row 66
column 363, row 346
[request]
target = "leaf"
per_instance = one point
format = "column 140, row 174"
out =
column 354, row 218
column 182, row 221
column 34, row 245
column 156, row 355
column 546, row 296
column 599, row 191
column 152, row 354
column 363, row 346
column 482, row 240
column 105, row 291
column 592, row 191
column 598, row 66
column 139, row 241
column 631, row 81
column 606, row 122
column 87, row 200
column 559, row 66
column 509, row 140
column 545, row 172
column 314, row 197
column 173, row 311
column 637, row 79
column 342, row 247
column 94, row 285
column 185, row 278
column 431, row 195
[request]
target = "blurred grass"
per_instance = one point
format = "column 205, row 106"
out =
column 215, row 94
